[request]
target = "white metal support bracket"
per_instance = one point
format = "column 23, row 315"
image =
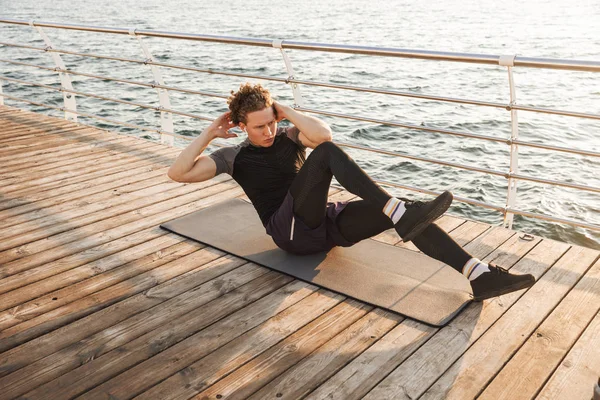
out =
column 65, row 79
column 298, row 100
column 166, row 118
column 509, row 62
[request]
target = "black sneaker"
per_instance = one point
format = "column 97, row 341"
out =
column 498, row 282
column 419, row 215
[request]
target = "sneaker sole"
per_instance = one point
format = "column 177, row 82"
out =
column 505, row 290
column 434, row 214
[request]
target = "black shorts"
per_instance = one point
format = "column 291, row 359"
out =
column 291, row 234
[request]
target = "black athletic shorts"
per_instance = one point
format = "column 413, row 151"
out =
column 292, row 235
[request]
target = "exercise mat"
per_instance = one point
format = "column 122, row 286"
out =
column 380, row 274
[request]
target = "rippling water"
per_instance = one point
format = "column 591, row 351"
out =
column 551, row 29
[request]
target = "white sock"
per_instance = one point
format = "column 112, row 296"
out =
column 474, row 267
column 394, row 209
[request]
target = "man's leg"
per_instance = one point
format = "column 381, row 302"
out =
column 311, row 185
column 310, row 188
column 360, row 220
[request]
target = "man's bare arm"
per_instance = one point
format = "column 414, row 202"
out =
column 190, row 165
column 313, row 131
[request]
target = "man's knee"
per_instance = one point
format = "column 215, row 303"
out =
column 327, row 147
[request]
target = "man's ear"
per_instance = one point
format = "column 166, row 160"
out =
column 242, row 126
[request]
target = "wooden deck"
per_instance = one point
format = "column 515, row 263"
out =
column 98, row 302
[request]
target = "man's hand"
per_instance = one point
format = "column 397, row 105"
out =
column 220, row 127
column 313, row 131
column 280, row 111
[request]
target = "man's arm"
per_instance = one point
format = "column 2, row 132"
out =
column 313, row 131
column 190, row 165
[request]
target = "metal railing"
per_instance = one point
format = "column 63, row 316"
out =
column 167, row 130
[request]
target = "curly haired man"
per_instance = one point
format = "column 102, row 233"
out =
column 290, row 191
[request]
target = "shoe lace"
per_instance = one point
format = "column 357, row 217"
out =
column 411, row 203
column 499, row 270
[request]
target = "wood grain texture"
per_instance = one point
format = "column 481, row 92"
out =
column 97, row 301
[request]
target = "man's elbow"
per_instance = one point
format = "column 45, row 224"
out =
column 326, row 136
column 174, row 176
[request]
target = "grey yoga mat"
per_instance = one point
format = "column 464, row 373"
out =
column 383, row 275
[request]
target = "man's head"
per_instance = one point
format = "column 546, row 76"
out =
column 252, row 110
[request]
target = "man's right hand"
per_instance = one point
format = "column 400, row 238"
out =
column 220, row 127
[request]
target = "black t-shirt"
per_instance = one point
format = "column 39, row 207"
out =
column 265, row 173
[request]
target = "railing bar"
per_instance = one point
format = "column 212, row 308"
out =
column 115, row 122
column 555, row 219
column 155, row 108
column 22, row 46
column 326, row 84
column 430, row 160
column 116, row 79
column 398, row 93
column 556, row 183
column 84, row 114
column 496, row 208
column 208, row 71
column 449, row 132
column 434, row 193
column 404, row 125
column 557, row 148
column 578, row 65
column 470, row 168
column 557, row 112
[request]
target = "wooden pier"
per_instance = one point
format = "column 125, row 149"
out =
column 98, row 302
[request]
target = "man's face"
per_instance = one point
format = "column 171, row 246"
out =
column 261, row 127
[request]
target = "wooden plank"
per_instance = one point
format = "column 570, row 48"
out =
column 91, row 277
column 153, row 158
column 74, row 217
column 13, row 122
column 547, row 346
column 97, row 294
column 362, row 374
column 83, row 171
column 61, row 160
column 29, row 133
column 304, row 376
column 29, row 265
column 73, row 191
column 259, row 356
column 56, row 150
column 217, row 292
column 120, row 183
column 159, row 203
column 468, row 376
column 415, row 375
column 129, row 189
column 579, row 371
column 159, row 352
column 56, row 137
column 85, row 137
column 22, row 132
column 62, row 153
column 132, row 297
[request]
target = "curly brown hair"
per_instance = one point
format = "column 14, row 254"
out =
column 248, row 99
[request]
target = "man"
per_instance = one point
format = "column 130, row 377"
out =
column 289, row 191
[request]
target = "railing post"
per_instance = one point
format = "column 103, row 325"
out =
column 509, row 62
column 298, row 100
column 166, row 118
column 65, row 79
